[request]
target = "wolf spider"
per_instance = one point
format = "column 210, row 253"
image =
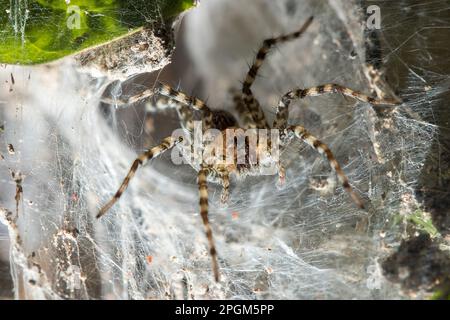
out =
column 251, row 116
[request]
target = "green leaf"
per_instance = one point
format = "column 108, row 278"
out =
column 39, row 31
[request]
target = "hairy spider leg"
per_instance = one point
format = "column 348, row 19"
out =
column 203, row 191
column 185, row 114
column 166, row 144
column 250, row 101
column 282, row 116
column 192, row 102
column 136, row 98
column 225, row 179
column 322, row 148
column 245, row 116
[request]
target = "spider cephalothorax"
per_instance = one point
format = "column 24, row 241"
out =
column 239, row 151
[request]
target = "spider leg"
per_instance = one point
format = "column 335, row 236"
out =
column 203, row 190
column 163, row 103
column 244, row 113
column 225, row 177
column 248, row 97
column 253, row 109
column 281, row 176
column 166, row 144
column 322, row 148
column 193, row 102
column 186, row 117
column 283, row 106
column 138, row 97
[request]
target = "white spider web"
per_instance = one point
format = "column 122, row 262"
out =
column 305, row 241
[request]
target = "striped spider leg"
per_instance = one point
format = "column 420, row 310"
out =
column 247, row 105
column 141, row 160
column 282, row 116
column 256, row 113
column 192, row 102
column 185, row 114
column 243, row 112
column 301, row 133
column 202, row 176
column 299, row 93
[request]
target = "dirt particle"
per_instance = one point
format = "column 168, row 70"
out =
column 11, row 150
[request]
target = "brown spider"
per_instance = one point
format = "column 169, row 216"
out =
column 252, row 116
